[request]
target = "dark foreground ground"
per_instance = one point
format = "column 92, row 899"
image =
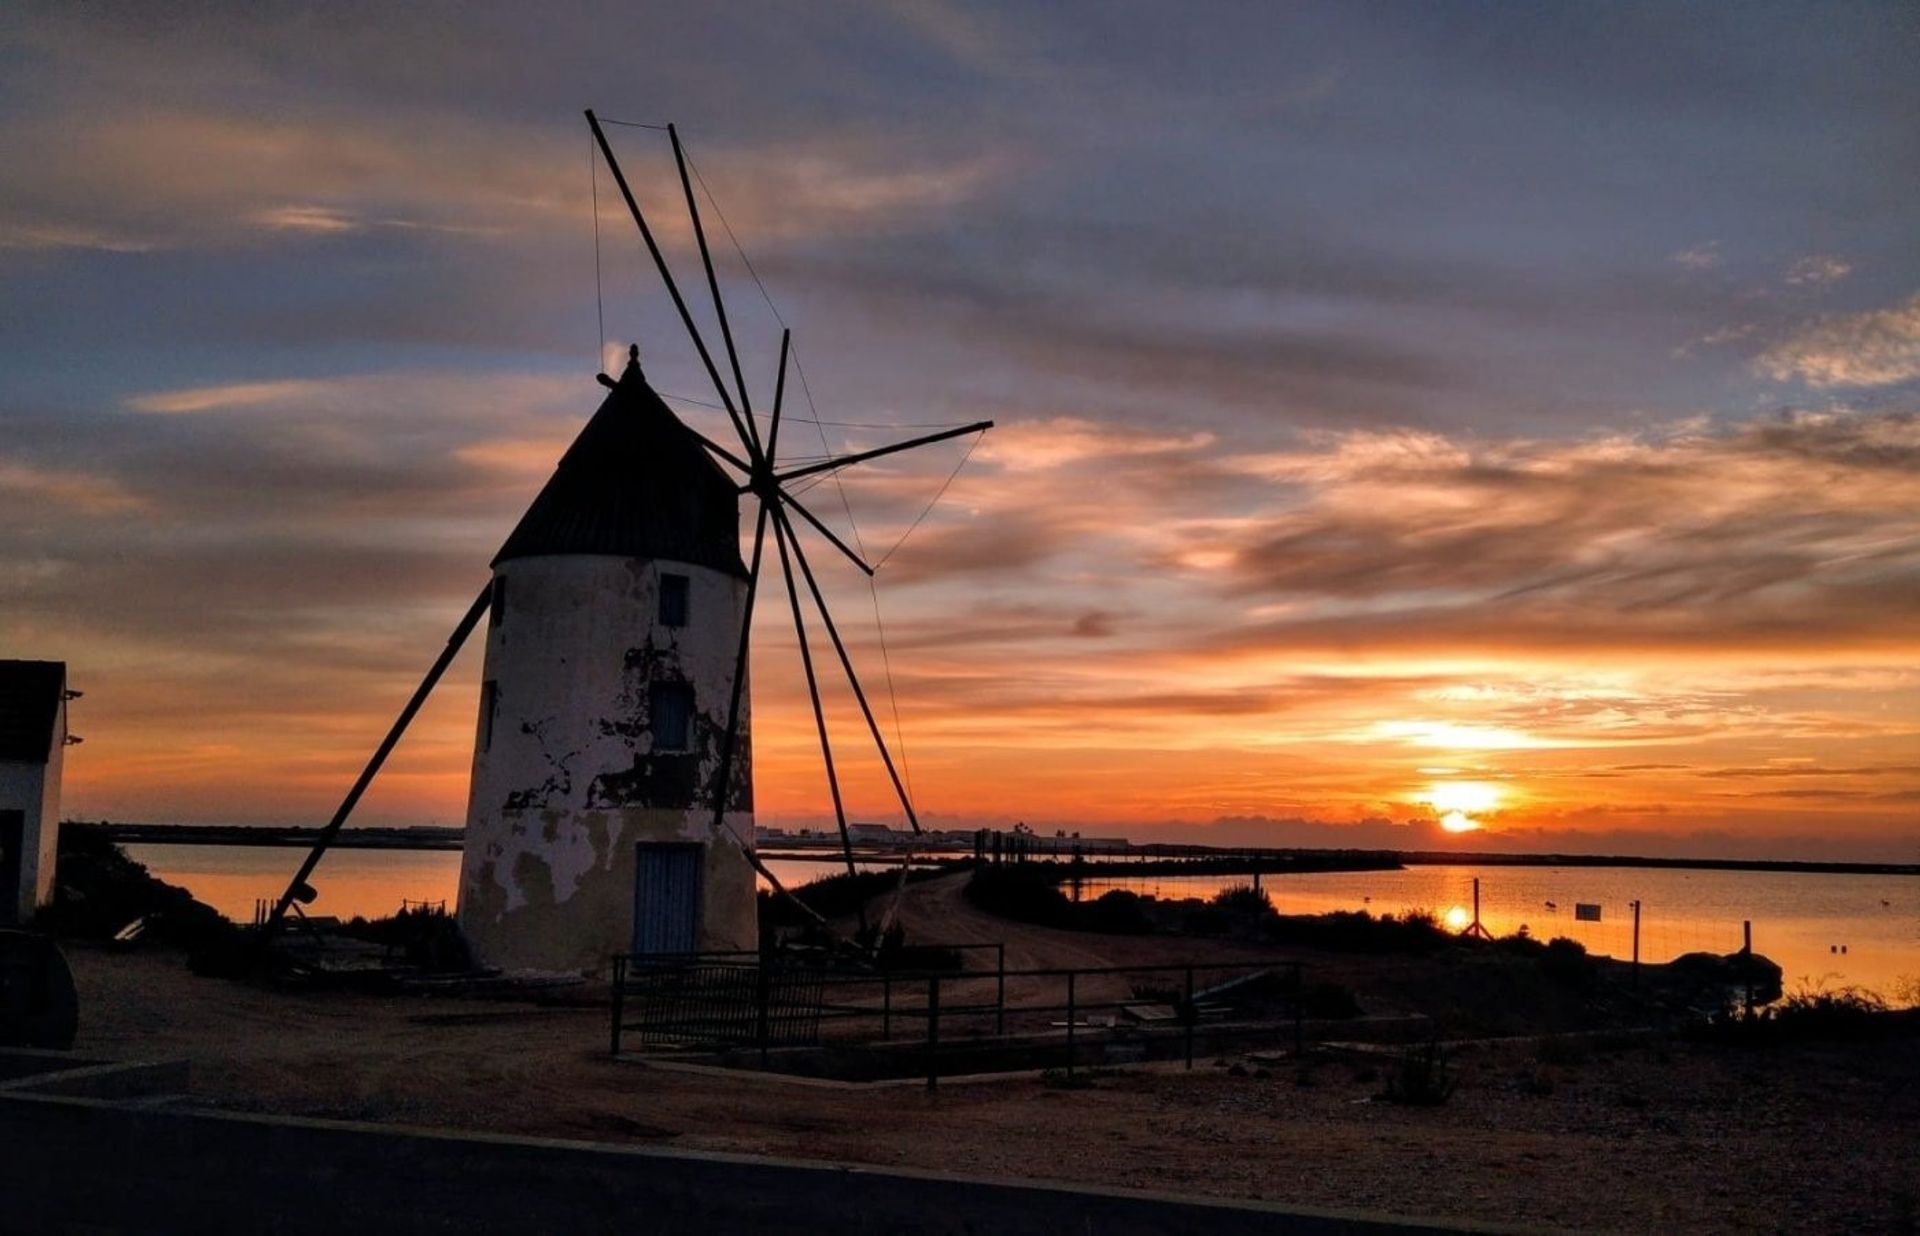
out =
column 1629, row 1133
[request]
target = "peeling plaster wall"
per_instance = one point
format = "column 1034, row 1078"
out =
column 568, row 781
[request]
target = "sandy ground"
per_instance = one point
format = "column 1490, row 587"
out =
column 1655, row 1135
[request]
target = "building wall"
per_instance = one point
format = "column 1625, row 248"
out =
column 567, row 781
column 22, row 789
column 47, row 854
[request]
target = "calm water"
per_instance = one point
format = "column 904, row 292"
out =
column 1799, row 920
column 368, row 883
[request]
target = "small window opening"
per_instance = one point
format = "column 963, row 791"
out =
column 489, row 704
column 670, row 710
column 673, row 600
column 497, row 604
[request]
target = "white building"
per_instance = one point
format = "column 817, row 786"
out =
column 33, row 738
column 610, row 657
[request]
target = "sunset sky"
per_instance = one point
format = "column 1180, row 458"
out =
column 1503, row 415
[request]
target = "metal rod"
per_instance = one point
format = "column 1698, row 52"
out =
column 825, row 531
column 673, row 289
column 1192, row 1016
column 853, row 679
column 780, row 537
column 619, row 999
column 1299, row 999
column 1000, row 997
column 1072, row 1016
column 862, row 456
column 713, row 283
column 933, row 1031
column 420, row 693
column 1636, row 942
column 763, row 989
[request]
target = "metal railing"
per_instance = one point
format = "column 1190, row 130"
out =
column 750, row 1002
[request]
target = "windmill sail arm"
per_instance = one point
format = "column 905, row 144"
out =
column 825, row 531
column 747, row 439
column 862, row 456
column 719, row 450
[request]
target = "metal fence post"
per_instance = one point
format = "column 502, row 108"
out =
column 1072, row 1016
column 1000, row 999
column 763, row 983
column 933, row 1031
column 619, row 1003
column 1192, row 1016
column 1299, row 999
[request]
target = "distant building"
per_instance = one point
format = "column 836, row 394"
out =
column 33, row 736
column 873, row 834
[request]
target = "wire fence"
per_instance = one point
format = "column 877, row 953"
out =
column 766, row 1002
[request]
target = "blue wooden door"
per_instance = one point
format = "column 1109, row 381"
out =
column 666, row 898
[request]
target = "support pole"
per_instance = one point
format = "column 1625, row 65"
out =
column 933, row 1032
column 1072, row 1016
column 1746, row 960
column 1636, row 942
column 1191, row 1015
column 298, row 884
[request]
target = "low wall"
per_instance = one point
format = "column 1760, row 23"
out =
column 71, row 1164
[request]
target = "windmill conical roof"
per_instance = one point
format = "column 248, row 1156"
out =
column 636, row 483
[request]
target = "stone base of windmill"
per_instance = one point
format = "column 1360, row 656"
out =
column 573, row 897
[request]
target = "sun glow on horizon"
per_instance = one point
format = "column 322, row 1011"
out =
column 1459, row 803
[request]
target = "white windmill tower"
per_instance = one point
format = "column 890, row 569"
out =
column 610, row 808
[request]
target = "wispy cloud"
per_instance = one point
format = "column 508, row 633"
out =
column 1880, row 347
column 225, row 398
column 1818, row 270
column 1703, row 256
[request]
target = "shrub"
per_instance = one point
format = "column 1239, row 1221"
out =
column 833, row 895
column 1117, row 911
column 1423, row 1077
column 1027, row 894
column 1566, row 962
column 1242, row 899
column 1360, row 932
column 427, row 938
column 1817, row 1011
column 98, row 890
column 1560, row 1049
column 1328, row 1002
column 1030, row 893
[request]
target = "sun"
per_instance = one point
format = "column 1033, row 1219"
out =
column 1460, row 802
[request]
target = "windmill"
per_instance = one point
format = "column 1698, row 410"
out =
column 589, row 511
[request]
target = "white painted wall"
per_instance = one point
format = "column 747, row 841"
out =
column 555, row 808
column 49, row 849
column 33, row 789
